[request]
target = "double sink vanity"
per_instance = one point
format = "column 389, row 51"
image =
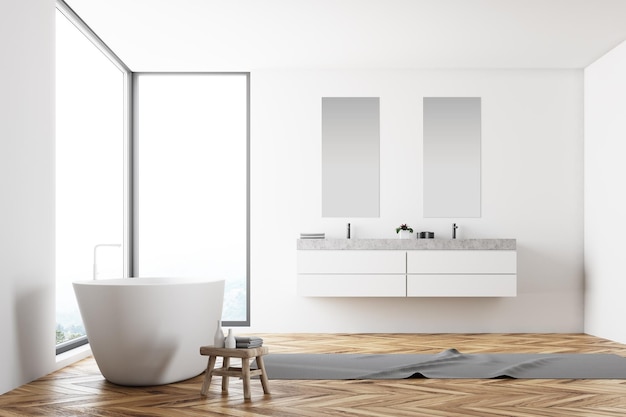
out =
column 451, row 167
column 407, row 267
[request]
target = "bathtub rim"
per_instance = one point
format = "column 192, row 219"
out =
column 146, row 281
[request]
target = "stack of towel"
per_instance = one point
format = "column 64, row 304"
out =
column 312, row 235
column 248, row 342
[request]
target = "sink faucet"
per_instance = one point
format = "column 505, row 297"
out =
column 454, row 227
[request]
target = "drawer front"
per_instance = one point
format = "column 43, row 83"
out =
column 461, row 285
column 351, row 262
column 347, row 285
column 462, row 262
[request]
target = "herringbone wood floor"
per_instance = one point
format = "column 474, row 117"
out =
column 80, row 390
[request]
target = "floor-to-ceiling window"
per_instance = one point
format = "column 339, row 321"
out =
column 191, row 167
column 89, row 172
column 168, row 199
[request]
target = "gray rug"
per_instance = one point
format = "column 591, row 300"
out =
column 447, row 364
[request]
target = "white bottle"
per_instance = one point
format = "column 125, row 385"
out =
column 218, row 339
column 230, row 342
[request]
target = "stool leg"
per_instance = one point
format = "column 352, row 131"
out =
column 208, row 375
column 245, row 371
column 264, row 382
column 225, row 365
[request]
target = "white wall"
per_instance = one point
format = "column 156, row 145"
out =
column 532, row 154
column 26, row 191
column 605, row 198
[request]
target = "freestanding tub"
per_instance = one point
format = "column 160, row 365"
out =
column 148, row 331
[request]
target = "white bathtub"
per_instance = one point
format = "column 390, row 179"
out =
column 148, row 331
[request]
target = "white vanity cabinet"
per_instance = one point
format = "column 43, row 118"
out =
column 351, row 273
column 409, row 268
column 461, row 273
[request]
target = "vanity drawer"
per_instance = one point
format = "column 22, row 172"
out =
column 461, row 262
column 351, row 262
column 349, row 285
column 461, row 285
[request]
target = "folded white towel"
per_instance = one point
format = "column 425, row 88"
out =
column 312, row 235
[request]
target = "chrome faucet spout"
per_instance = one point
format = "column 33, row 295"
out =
column 454, row 227
column 95, row 256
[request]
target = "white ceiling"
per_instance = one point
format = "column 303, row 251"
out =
column 243, row 35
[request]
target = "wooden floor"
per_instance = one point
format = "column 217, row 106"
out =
column 80, row 390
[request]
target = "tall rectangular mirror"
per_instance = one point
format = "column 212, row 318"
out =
column 350, row 157
column 452, row 156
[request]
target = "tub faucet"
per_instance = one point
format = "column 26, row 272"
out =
column 95, row 256
column 454, row 227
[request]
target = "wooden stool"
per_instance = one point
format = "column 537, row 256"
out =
column 225, row 371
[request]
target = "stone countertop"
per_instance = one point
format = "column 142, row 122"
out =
column 406, row 244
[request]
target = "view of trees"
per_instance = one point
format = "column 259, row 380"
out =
column 71, row 332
